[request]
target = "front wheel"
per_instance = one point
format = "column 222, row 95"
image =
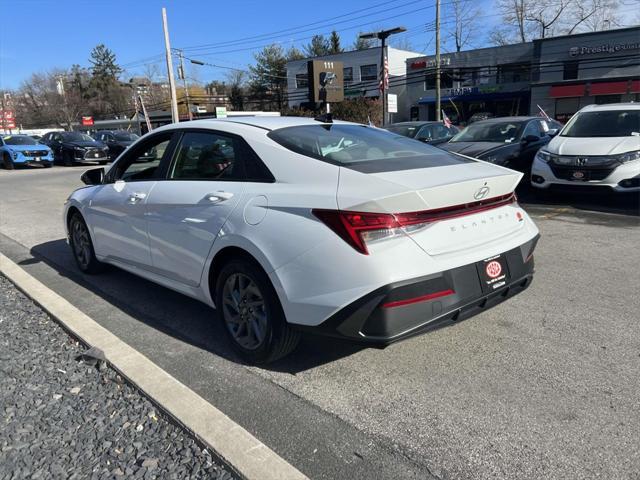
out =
column 251, row 313
column 7, row 162
column 82, row 246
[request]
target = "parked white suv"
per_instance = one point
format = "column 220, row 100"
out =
column 599, row 146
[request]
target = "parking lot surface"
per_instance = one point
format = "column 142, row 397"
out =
column 543, row 386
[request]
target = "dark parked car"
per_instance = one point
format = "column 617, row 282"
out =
column 508, row 141
column 432, row 133
column 70, row 148
column 117, row 141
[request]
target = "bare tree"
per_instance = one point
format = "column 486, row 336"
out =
column 463, row 21
column 546, row 16
column 597, row 15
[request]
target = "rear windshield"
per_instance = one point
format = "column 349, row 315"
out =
column 126, row 136
column 362, row 148
column 404, row 130
column 608, row 123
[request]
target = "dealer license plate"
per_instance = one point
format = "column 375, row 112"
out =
column 494, row 273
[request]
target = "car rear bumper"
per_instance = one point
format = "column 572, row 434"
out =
column 391, row 313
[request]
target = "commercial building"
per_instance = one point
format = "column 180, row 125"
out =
column 361, row 76
column 578, row 70
column 560, row 74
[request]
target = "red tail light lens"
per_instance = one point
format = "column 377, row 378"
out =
column 352, row 227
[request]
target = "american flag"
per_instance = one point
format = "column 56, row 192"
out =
column 445, row 120
column 384, row 76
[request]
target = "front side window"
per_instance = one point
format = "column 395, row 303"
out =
column 205, row 156
column 607, row 123
column 533, row 128
column 141, row 163
column 368, row 72
column 362, row 148
column 496, row 132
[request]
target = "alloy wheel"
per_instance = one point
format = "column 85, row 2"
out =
column 81, row 243
column 244, row 311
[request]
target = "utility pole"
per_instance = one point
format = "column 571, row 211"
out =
column 438, row 99
column 172, row 85
column 183, row 76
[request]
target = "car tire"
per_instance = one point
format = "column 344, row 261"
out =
column 247, row 304
column 82, row 246
column 67, row 159
column 7, row 162
column 48, row 164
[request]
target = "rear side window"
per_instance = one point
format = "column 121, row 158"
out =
column 362, row 148
column 205, row 156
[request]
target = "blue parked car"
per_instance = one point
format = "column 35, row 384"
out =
column 23, row 150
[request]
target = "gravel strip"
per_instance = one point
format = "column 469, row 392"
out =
column 68, row 418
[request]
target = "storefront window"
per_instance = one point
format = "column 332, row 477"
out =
column 566, row 107
column 368, row 72
column 513, row 73
column 302, row 80
column 604, row 99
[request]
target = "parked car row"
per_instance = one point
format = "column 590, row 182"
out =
column 598, row 148
column 65, row 148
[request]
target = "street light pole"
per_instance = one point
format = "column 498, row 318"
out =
column 183, row 76
column 172, row 85
column 382, row 36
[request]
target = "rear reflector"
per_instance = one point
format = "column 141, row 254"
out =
column 351, row 226
column 422, row 298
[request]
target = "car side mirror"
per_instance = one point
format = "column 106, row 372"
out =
column 95, row 176
column 530, row 139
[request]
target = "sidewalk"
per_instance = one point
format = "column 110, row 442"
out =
column 67, row 418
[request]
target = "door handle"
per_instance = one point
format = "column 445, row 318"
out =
column 137, row 196
column 218, row 197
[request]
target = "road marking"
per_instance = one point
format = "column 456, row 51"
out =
column 244, row 453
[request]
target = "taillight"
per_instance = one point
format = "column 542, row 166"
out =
column 358, row 228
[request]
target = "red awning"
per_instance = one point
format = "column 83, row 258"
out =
column 635, row 86
column 567, row 90
column 606, row 88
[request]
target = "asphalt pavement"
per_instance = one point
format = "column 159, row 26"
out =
column 543, row 386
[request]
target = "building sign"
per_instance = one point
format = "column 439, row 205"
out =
column 326, row 81
column 456, row 92
column 392, row 103
column 87, row 121
column 604, row 48
column 7, row 119
column 431, row 62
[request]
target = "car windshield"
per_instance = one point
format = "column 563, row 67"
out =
column 19, row 140
column 126, row 136
column 496, row 132
column 77, row 137
column 607, row 123
column 349, row 145
column 404, row 130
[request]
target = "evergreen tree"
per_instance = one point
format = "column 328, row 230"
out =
column 268, row 82
column 334, row 43
column 318, row 47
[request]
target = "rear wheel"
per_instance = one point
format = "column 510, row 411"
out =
column 7, row 162
column 82, row 246
column 251, row 313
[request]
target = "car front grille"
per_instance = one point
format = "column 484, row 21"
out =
column 94, row 154
column 581, row 173
column 35, row 153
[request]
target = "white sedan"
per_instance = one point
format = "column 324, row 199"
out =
column 293, row 224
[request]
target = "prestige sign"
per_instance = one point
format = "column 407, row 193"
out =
column 604, row 48
column 326, row 81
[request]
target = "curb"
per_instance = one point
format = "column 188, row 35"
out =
column 244, row 453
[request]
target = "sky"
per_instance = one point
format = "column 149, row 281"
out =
column 39, row 35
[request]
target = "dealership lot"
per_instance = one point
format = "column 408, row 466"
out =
column 543, row 386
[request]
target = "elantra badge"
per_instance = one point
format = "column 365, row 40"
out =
column 481, row 193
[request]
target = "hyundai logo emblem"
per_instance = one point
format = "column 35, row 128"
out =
column 582, row 161
column 481, row 193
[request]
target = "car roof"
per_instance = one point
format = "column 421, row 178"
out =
column 417, row 122
column 267, row 123
column 611, row 106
